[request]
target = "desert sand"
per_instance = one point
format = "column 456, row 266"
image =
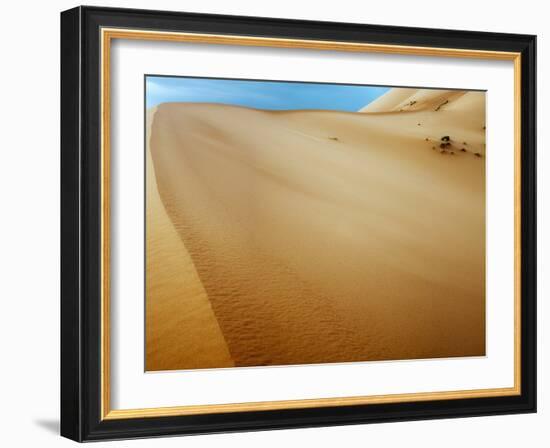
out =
column 176, row 300
column 298, row 237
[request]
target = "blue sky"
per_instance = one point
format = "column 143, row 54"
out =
column 272, row 95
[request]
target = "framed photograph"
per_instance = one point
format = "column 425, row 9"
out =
column 274, row 223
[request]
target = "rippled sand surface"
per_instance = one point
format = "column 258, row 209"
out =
column 181, row 328
column 318, row 236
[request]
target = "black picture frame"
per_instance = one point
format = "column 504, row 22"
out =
column 81, row 230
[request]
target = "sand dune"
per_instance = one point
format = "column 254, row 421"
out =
column 408, row 100
column 323, row 236
column 176, row 300
column 389, row 101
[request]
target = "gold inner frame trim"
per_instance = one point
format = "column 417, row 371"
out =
column 107, row 35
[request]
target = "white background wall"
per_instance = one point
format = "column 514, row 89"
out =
column 29, row 205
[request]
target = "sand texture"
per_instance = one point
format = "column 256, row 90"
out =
column 301, row 237
column 181, row 327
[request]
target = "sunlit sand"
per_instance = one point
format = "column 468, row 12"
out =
column 298, row 237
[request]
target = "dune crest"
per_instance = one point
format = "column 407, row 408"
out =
column 175, row 298
column 323, row 236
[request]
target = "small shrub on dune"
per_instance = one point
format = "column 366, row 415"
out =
column 441, row 105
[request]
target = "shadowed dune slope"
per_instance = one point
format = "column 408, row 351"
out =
column 324, row 236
